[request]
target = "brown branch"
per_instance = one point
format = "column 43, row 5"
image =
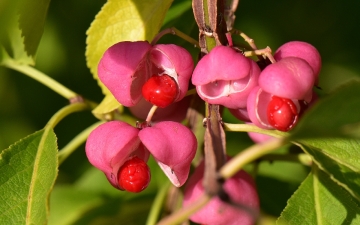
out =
column 230, row 8
column 215, row 149
column 209, row 15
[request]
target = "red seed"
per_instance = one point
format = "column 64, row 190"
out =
column 282, row 113
column 134, row 175
column 160, row 90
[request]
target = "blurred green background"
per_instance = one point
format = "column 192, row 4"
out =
column 26, row 106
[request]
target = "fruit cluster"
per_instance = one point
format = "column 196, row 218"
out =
column 272, row 98
column 137, row 73
column 141, row 75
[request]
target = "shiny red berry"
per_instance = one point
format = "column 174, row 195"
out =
column 134, row 175
column 160, row 90
column 282, row 113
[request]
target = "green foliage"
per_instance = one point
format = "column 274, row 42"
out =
column 32, row 24
column 177, row 10
column 28, row 170
column 324, row 134
column 319, row 200
column 340, row 159
column 23, row 29
column 328, row 132
column 12, row 45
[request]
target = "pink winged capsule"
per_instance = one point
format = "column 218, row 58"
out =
column 111, row 144
column 173, row 146
column 301, row 50
column 122, row 69
column 174, row 61
column 225, row 77
column 257, row 106
column 126, row 66
column 290, row 77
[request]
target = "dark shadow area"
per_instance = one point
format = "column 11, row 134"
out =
column 274, row 194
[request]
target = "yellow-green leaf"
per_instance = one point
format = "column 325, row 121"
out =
column 106, row 107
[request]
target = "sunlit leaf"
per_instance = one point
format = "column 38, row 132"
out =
column 106, row 107
column 340, row 158
column 319, row 200
column 28, row 170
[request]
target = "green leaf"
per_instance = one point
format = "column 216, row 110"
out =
column 123, row 20
column 12, row 44
column 3, row 55
column 106, row 107
column 32, row 22
column 336, row 115
column 326, row 132
column 319, row 200
column 28, row 170
column 339, row 158
column 177, row 10
column 23, row 27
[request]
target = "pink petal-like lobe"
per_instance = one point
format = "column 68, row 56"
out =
column 257, row 103
column 122, row 69
column 173, row 146
column 111, row 144
column 222, row 63
column 174, row 61
column 301, row 50
column 290, row 77
column 241, row 114
column 225, row 77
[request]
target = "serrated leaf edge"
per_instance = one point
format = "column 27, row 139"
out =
column 287, row 203
column 346, row 187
